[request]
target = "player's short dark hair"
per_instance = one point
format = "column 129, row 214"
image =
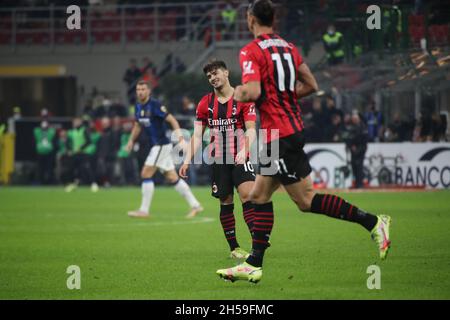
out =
column 143, row 83
column 214, row 65
column 263, row 10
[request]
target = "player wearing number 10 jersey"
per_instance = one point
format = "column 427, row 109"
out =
column 275, row 76
column 226, row 120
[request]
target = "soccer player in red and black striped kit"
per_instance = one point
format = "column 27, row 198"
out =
column 275, row 76
column 232, row 131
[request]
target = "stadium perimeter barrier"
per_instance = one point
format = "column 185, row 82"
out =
column 386, row 165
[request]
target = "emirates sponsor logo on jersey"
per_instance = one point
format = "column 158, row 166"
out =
column 222, row 124
column 273, row 43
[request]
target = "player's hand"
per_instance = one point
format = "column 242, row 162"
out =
column 239, row 93
column 241, row 157
column 182, row 172
column 129, row 146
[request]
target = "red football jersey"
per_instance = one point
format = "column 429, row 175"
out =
column 223, row 120
column 274, row 63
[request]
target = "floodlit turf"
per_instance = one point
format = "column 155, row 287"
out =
column 44, row 230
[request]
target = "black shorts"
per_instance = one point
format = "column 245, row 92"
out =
column 292, row 165
column 227, row 176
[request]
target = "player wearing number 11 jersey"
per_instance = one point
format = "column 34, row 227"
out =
column 275, row 76
column 231, row 126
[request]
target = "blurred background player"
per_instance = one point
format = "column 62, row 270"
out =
column 45, row 140
column 333, row 44
column 80, row 148
column 356, row 142
column 271, row 63
column 152, row 117
column 223, row 116
column 106, row 153
column 126, row 161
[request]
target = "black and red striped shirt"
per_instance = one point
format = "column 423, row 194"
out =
column 225, row 121
column 274, row 63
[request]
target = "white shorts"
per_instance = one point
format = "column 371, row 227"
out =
column 160, row 156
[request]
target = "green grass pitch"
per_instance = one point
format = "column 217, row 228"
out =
column 44, row 230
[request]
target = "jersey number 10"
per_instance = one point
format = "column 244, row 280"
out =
column 282, row 72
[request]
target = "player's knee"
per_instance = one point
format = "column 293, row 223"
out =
column 226, row 199
column 303, row 206
column 146, row 173
column 258, row 198
column 245, row 197
column 171, row 177
column 303, row 203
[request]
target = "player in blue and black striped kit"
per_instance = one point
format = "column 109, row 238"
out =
column 152, row 117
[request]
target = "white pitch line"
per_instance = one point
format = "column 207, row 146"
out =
column 162, row 223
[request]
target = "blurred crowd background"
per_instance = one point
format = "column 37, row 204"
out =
column 67, row 96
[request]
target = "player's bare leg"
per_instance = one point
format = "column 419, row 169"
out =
column 183, row 189
column 148, row 187
column 307, row 200
column 248, row 208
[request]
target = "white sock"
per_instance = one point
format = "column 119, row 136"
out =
column 147, row 194
column 182, row 188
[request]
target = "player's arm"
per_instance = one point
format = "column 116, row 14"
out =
column 170, row 119
column 133, row 136
column 250, row 137
column 307, row 83
column 248, row 92
column 196, row 142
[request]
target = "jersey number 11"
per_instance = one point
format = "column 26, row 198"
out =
column 282, row 72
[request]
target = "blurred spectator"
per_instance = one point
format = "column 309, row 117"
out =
column 319, row 122
column 374, row 121
column 395, row 131
column 97, row 110
column 426, row 125
column 333, row 42
column 444, row 124
column 64, row 160
column 117, row 109
column 17, row 113
column 356, row 142
column 337, row 128
column 187, row 106
column 45, row 140
column 331, row 114
column 132, row 74
column 79, row 139
column 45, row 114
column 229, row 15
column 148, row 73
column 127, row 163
column 171, row 64
column 91, row 149
column 106, row 154
column 392, row 24
column 117, row 130
column 331, row 107
column 439, row 127
column 147, row 65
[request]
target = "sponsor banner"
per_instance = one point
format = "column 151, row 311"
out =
column 397, row 164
